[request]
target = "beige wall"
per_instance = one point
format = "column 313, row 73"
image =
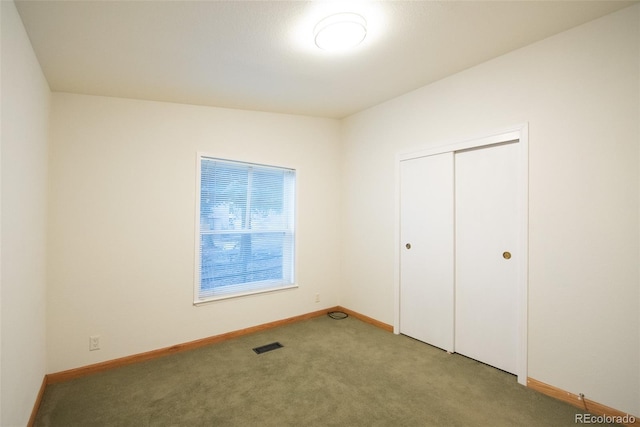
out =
column 24, row 122
column 123, row 183
column 579, row 93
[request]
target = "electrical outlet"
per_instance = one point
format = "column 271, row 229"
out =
column 317, row 297
column 94, row 342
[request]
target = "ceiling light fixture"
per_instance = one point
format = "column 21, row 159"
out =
column 341, row 31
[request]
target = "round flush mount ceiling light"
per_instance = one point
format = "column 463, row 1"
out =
column 341, row 31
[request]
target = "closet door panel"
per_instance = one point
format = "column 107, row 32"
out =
column 486, row 267
column 427, row 253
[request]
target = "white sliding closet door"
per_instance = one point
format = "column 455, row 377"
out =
column 460, row 255
column 426, row 255
column 486, row 255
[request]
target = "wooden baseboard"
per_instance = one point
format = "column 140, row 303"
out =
column 141, row 357
column 587, row 405
column 36, row 405
column 366, row 319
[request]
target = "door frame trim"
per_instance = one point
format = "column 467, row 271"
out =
column 517, row 132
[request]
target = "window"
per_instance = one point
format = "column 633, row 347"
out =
column 245, row 229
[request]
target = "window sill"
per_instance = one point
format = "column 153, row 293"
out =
column 215, row 298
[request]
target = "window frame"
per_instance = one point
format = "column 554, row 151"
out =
column 258, row 287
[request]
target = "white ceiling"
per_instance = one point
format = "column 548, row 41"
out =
column 259, row 55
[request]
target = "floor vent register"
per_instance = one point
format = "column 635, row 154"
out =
column 268, row 347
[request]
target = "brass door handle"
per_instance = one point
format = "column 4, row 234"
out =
column 408, row 246
column 506, row 255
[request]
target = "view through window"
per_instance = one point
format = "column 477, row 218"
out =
column 245, row 228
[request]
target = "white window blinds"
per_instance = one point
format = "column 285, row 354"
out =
column 246, row 229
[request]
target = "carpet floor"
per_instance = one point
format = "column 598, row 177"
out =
column 328, row 373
